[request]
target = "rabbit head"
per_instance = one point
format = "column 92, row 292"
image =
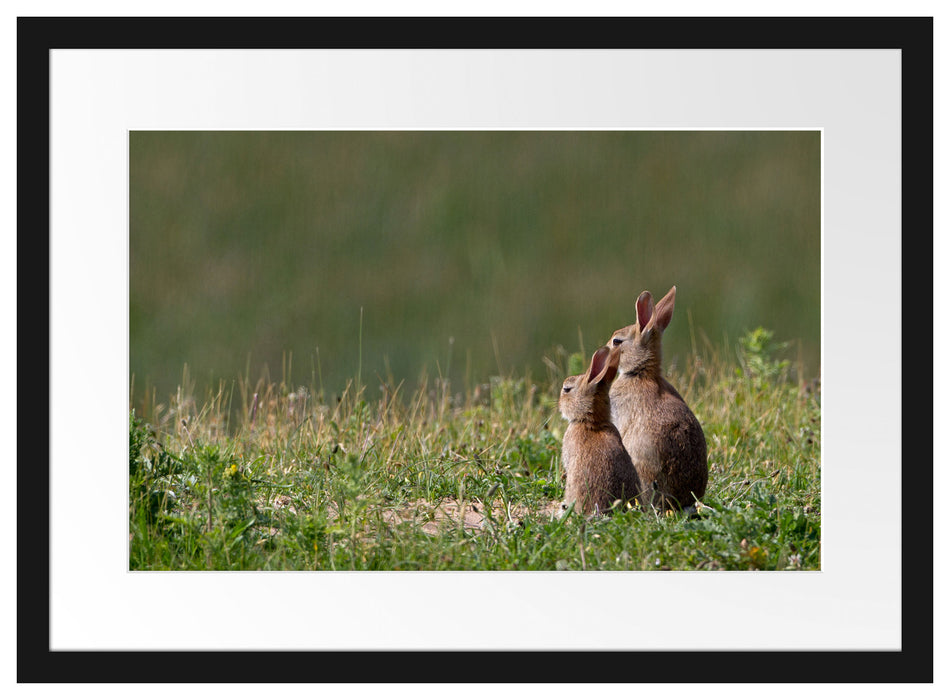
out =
column 586, row 397
column 640, row 343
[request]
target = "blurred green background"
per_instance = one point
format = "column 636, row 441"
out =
column 247, row 247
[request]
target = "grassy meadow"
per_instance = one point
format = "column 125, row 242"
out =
column 429, row 478
column 345, row 348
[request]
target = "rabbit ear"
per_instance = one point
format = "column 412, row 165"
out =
column 603, row 365
column 599, row 366
column 664, row 310
column 644, row 309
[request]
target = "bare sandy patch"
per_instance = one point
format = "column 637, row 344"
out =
column 435, row 518
column 447, row 514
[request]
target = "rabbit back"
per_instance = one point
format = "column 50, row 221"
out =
column 664, row 439
column 598, row 468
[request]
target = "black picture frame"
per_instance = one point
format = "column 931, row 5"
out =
column 37, row 36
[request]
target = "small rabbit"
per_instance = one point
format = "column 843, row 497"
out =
column 598, row 468
column 660, row 432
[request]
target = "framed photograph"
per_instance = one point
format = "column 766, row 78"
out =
column 744, row 148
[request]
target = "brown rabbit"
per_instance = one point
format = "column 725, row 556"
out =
column 661, row 434
column 598, row 468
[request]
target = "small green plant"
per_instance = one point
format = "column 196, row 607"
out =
column 757, row 355
column 577, row 363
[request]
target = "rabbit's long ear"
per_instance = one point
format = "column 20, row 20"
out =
column 603, row 365
column 598, row 365
column 644, row 309
column 664, row 310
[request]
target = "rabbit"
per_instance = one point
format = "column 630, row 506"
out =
column 661, row 434
column 597, row 467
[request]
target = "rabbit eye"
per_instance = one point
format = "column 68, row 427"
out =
column 566, row 389
column 617, row 341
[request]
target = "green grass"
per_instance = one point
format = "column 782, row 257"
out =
column 300, row 481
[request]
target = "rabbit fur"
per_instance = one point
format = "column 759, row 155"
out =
column 660, row 433
column 598, row 469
